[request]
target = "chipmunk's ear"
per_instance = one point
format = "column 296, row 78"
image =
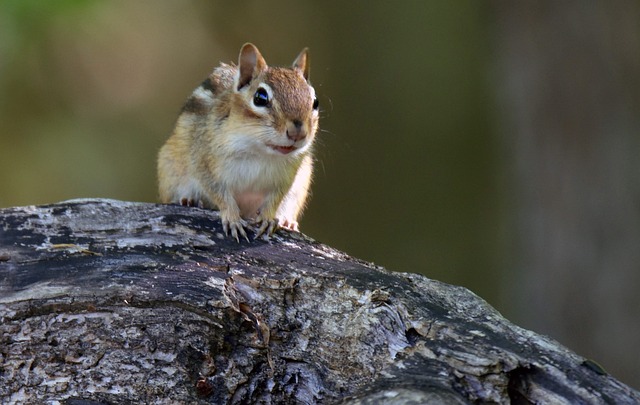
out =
column 250, row 64
column 302, row 63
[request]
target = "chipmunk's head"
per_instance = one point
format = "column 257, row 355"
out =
column 275, row 109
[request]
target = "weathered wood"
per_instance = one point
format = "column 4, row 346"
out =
column 112, row 302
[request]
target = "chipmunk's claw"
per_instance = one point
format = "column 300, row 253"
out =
column 235, row 228
column 266, row 228
column 190, row 202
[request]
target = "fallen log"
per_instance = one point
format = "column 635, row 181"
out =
column 111, row 302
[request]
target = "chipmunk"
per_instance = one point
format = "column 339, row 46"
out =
column 242, row 144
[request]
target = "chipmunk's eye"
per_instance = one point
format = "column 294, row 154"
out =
column 261, row 98
column 316, row 103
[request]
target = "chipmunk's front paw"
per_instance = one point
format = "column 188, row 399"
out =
column 290, row 225
column 235, row 228
column 266, row 227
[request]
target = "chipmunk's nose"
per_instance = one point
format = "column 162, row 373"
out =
column 295, row 131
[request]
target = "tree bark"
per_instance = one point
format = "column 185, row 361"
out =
column 109, row 302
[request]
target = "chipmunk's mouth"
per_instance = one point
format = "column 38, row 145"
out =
column 285, row 150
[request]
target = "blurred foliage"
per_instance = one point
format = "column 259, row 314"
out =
column 29, row 14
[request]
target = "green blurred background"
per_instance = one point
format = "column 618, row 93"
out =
column 443, row 131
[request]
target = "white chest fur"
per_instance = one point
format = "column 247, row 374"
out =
column 252, row 179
